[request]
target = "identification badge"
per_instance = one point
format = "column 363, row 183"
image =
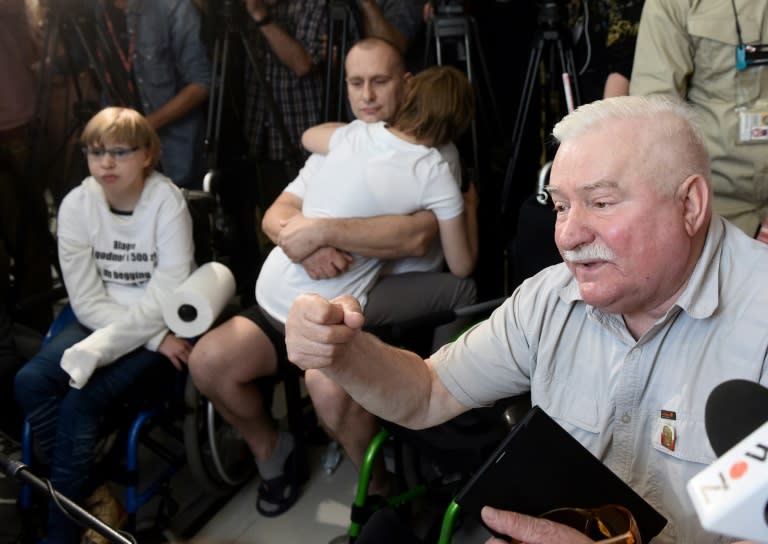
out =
column 668, row 436
column 753, row 127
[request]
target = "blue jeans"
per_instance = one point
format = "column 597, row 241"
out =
column 66, row 422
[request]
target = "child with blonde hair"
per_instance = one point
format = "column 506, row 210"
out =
column 124, row 242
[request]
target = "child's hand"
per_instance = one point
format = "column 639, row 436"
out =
column 471, row 196
column 326, row 262
column 175, row 349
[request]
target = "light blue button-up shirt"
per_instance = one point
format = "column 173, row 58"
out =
column 170, row 55
column 616, row 394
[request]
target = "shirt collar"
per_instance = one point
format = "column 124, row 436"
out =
column 701, row 296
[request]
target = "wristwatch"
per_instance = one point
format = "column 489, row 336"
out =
column 267, row 19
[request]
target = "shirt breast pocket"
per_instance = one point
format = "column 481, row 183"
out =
column 684, row 440
column 714, row 40
column 578, row 414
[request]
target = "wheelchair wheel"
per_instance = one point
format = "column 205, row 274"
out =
column 218, row 457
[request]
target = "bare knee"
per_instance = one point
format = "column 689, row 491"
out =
column 236, row 353
column 205, row 363
column 332, row 403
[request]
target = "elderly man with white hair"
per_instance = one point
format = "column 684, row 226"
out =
column 653, row 306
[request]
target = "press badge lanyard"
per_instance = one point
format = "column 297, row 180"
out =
column 748, row 55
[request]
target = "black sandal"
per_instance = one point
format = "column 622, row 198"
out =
column 278, row 494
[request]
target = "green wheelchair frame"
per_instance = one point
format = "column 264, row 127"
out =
column 512, row 410
column 359, row 506
column 361, row 495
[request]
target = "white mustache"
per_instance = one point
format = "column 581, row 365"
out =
column 594, row 252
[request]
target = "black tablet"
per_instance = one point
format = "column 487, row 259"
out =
column 540, row 467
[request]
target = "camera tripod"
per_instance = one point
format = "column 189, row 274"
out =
column 343, row 26
column 461, row 31
column 231, row 20
column 551, row 38
column 231, row 194
column 65, row 31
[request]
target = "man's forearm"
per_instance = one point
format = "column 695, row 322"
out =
column 383, row 237
column 282, row 209
column 376, row 25
column 326, row 336
column 388, row 374
column 289, row 51
column 177, row 107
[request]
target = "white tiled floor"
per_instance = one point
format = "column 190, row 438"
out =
column 320, row 515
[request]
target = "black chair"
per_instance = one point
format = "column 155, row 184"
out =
column 533, row 247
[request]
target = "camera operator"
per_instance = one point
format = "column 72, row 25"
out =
column 23, row 212
column 291, row 38
column 288, row 39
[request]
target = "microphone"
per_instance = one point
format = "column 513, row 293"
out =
column 735, row 409
column 20, row 471
column 731, row 495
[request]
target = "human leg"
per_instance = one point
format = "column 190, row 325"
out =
column 40, row 385
column 347, row 422
column 221, row 373
column 66, row 422
column 223, row 365
column 81, row 422
column 24, row 236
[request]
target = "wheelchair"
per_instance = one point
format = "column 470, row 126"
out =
column 218, row 457
column 150, row 437
column 433, row 464
column 157, row 431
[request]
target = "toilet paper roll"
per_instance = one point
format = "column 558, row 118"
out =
column 193, row 306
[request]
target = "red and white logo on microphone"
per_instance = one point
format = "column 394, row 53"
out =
column 730, row 495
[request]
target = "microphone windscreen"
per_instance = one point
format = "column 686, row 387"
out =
column 734, row 410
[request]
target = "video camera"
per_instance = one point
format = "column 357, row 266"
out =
column 551, row 13
column 449, row 7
